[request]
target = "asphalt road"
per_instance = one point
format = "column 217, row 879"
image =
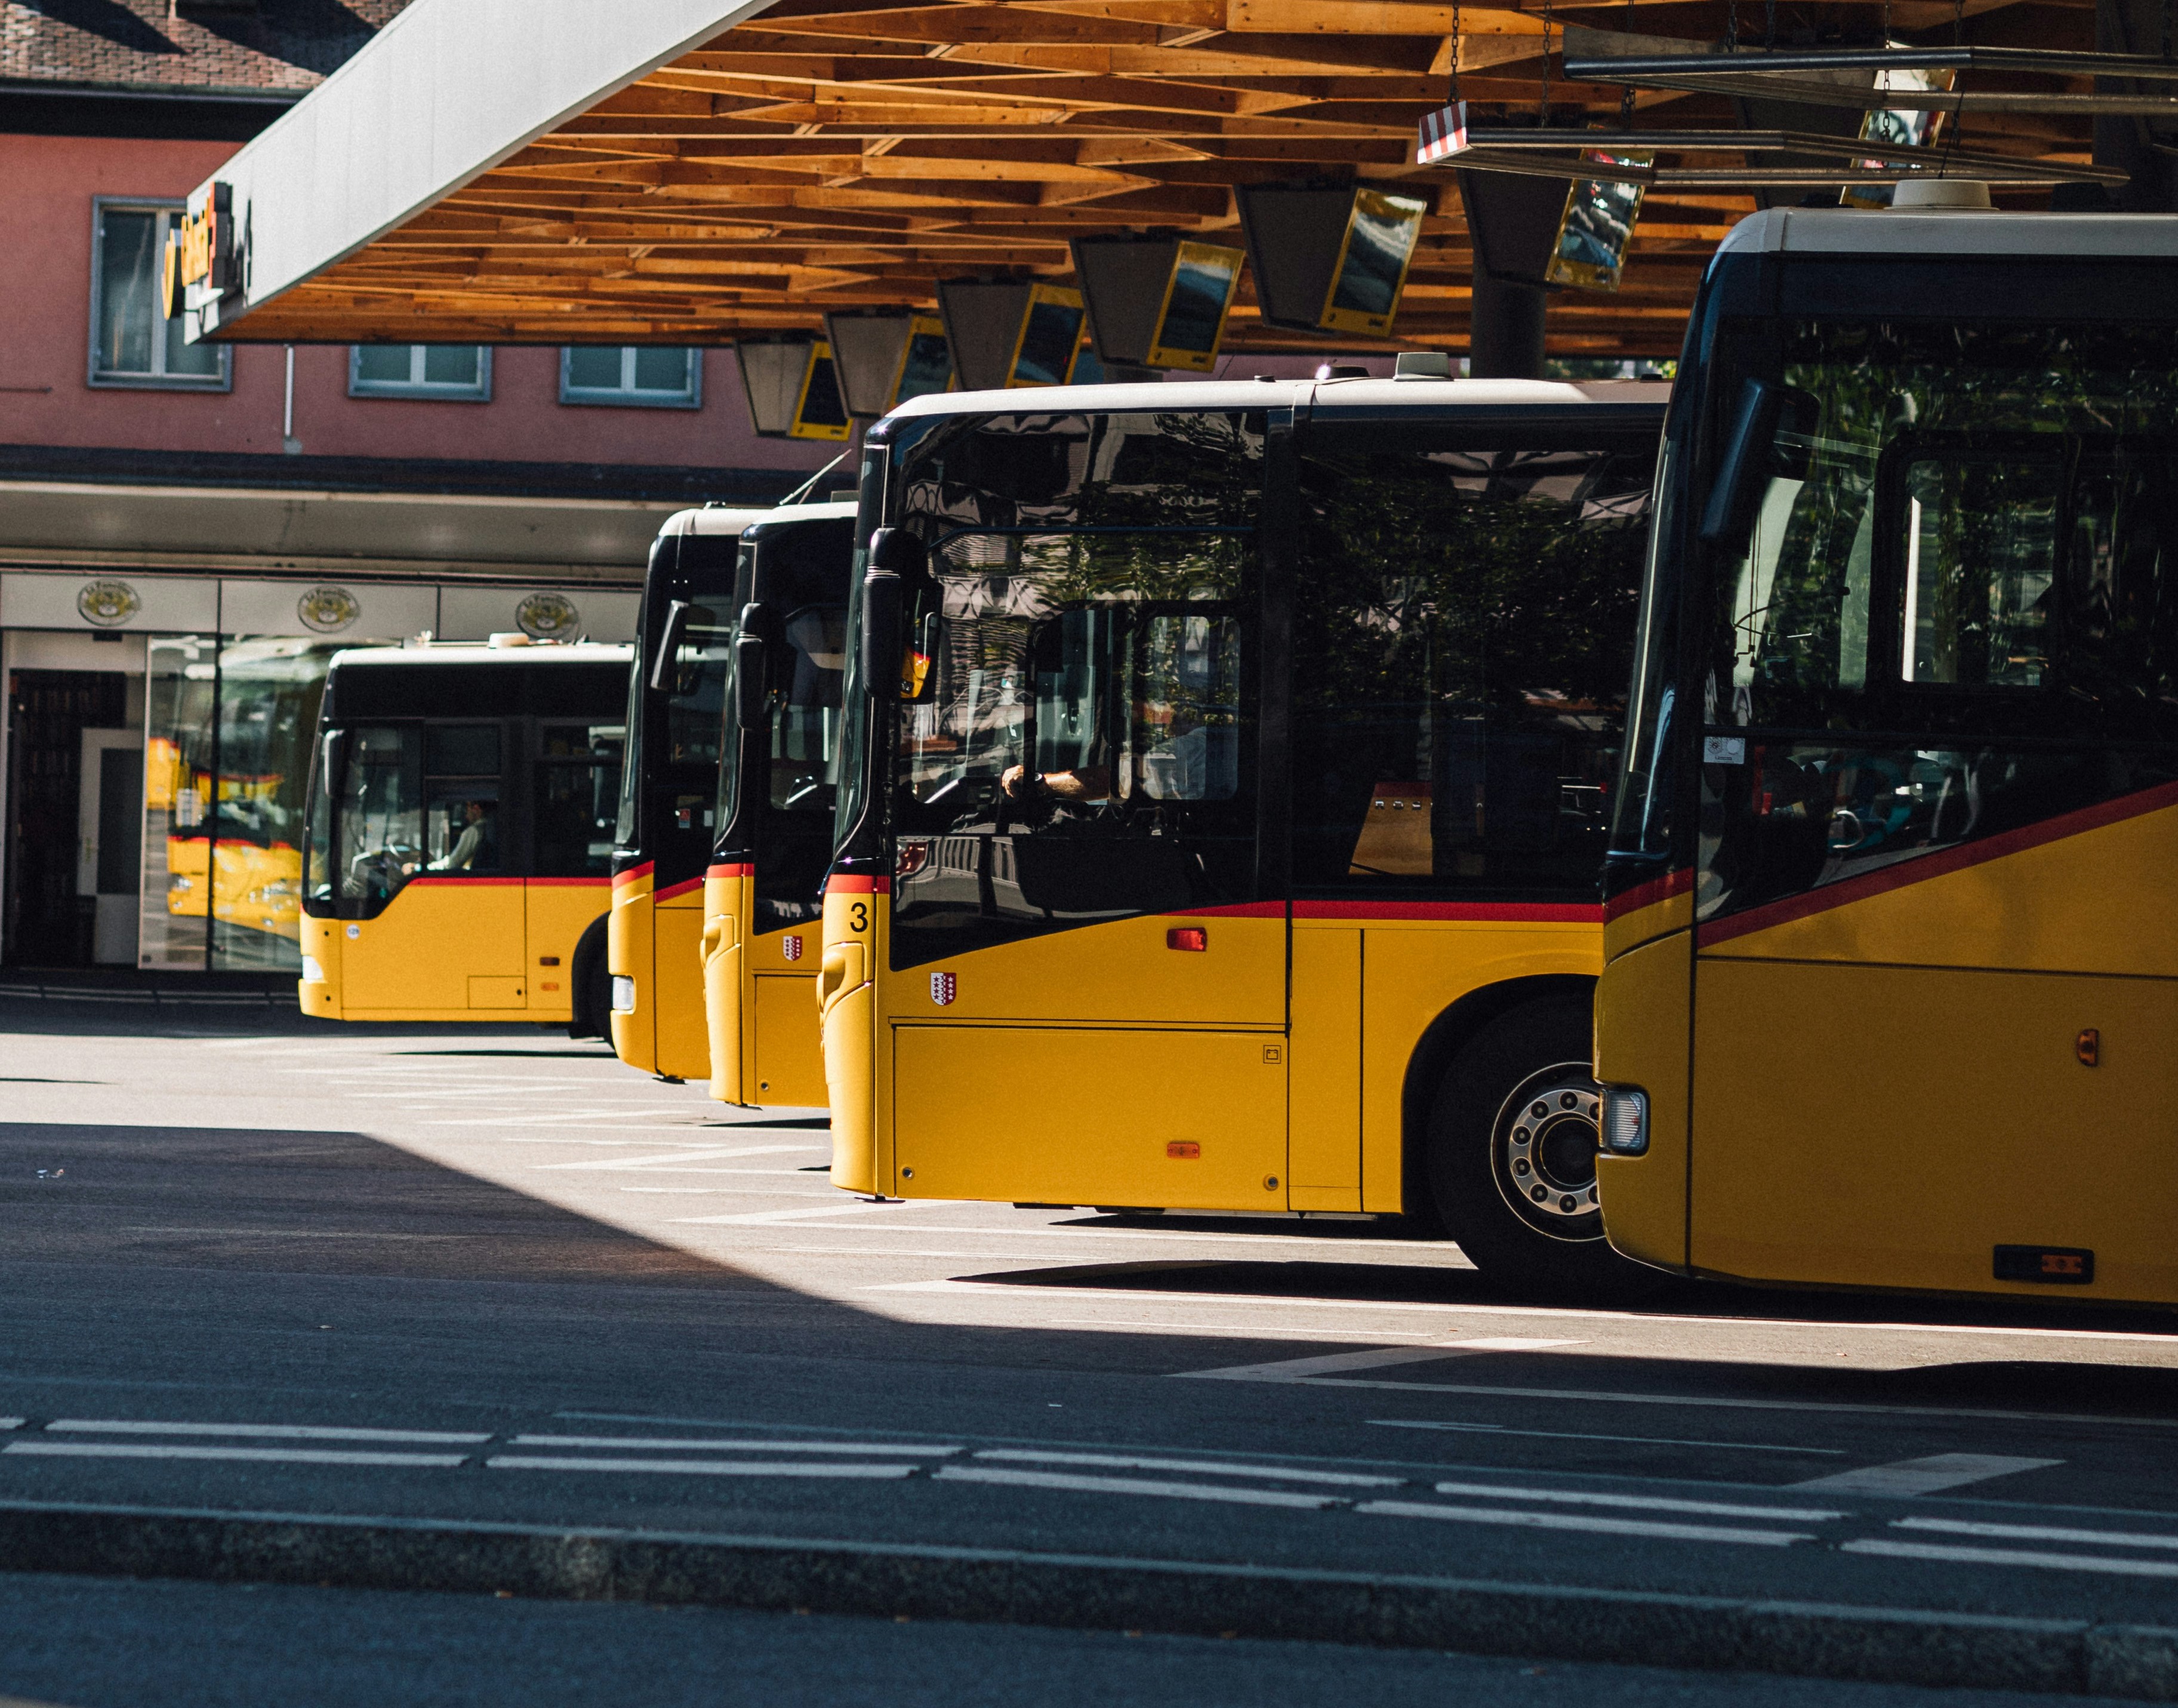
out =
column 258, row 1262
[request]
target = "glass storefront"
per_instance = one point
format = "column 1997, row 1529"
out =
column 228, row 723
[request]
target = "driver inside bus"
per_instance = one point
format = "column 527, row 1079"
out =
column 469, row 844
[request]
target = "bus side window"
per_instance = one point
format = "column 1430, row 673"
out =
column 577, row 786
column 461, row 767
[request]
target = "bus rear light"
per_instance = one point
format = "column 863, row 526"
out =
column 1183, row 1151
column 623, row 994
column 1190, row 937
column 2088, row 1047
column 1625, row 1121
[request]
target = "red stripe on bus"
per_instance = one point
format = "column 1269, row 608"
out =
column 1940, row 865
column 448, row 878
column 1545, row 912
column 857, row 884
column 730, row 871
column 673, row 890
column 567, row 882
column 1648, row 894
column 634, row 873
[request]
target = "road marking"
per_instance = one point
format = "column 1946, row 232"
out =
column 2035, row 1533
column 1314, row 1369
column 1568, row 1435
column 1571, row 1521
column 269, row 1455
column 1920, row 1476
column 2013, row 1556
column 1124, row 1462
column 1652, row 1504
column 854, row 1208
column 693, row 1153
column 1134, row 1486
column 698, row 1467
column 281, row 1431
column 731, row 1446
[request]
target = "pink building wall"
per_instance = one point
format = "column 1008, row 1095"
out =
column 47, row 184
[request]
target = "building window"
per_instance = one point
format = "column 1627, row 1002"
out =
column 644, row 376
column 132, row 340
column 457, row 371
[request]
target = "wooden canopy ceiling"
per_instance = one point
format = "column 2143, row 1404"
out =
column 838, row 154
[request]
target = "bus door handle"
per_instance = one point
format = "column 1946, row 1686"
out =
column 841, row 973
column 716, row 929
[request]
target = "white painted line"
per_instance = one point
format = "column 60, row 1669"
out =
column 1568, row 1435
column 1133, row 1486
column 1919, row 1476
column 11, row 1423
column 1646, row 1503
column 2013, row 1556
column 267, row 1455
column 1556, row 1313
column 276, row 1431
column 692, row 1153
column 1570, row 1521
column 1309, row 1369
column 852, row 1208
column 699, row 1467
column 1124, row 1462
column 735, row 1446
column 2036, row 1533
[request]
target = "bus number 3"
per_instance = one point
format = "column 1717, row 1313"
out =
column 859, row 916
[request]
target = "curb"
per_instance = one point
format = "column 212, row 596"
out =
column 145, row 997
column 987, row 1586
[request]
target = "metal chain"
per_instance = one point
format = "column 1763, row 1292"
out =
column 1544, row 116
column 1454, row 97
column 1732, row 27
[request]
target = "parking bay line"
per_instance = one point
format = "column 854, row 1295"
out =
column 663, row 1159
column 729, row 1444
column 699, row 1467
column 1568, row 1435
column 1655, row 1503
column 282, row 1431
column 1886, row 1549
column 1134, row 1486
column 1207, row 1467
column 2035, row 1533
column 259, row 1455
column 757, row 1218
column 1581, row 1521
column 1926, row 1476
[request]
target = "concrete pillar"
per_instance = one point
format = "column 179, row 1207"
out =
column 1506, row 341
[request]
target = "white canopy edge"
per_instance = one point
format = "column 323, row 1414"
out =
column 446, row 91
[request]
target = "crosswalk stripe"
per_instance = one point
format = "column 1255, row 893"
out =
column 1655, row 1503
column 279, row 1431
column 1128, row 1461
column 696, row 1467
column 733, row 1446
column 268, row 1455
column 2036, row 1533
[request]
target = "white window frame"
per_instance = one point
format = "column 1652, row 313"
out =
column 625, row 395
column 157, row 379
column 417, row 386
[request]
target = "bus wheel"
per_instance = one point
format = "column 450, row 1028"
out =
column 591, row 986
column 1512, row 1158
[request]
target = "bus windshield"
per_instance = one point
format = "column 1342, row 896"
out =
column 1948, row 620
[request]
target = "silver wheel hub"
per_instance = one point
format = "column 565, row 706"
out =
column 1543, row 1151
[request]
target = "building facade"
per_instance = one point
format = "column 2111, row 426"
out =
column 187, row 533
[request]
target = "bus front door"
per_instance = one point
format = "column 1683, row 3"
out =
column 1082, row 1004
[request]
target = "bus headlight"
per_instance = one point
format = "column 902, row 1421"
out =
column 1625, row 1121
column 312, row 972
column 623, row 994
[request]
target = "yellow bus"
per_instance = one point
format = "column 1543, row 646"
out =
column 459, row 831
column 1223, row 799
column 663, row 834
column 776, row 786
column 1892, row 978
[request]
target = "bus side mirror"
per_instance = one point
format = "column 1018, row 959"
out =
column 1755, row 451
column 896, row 557
column 751, row 689
column 675, row 630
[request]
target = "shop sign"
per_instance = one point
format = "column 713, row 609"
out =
column 548, row 616
column 107, row 603
column 327, row 610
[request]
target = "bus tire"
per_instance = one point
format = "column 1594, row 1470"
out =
column 590, row 985
column 1511, row 1158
